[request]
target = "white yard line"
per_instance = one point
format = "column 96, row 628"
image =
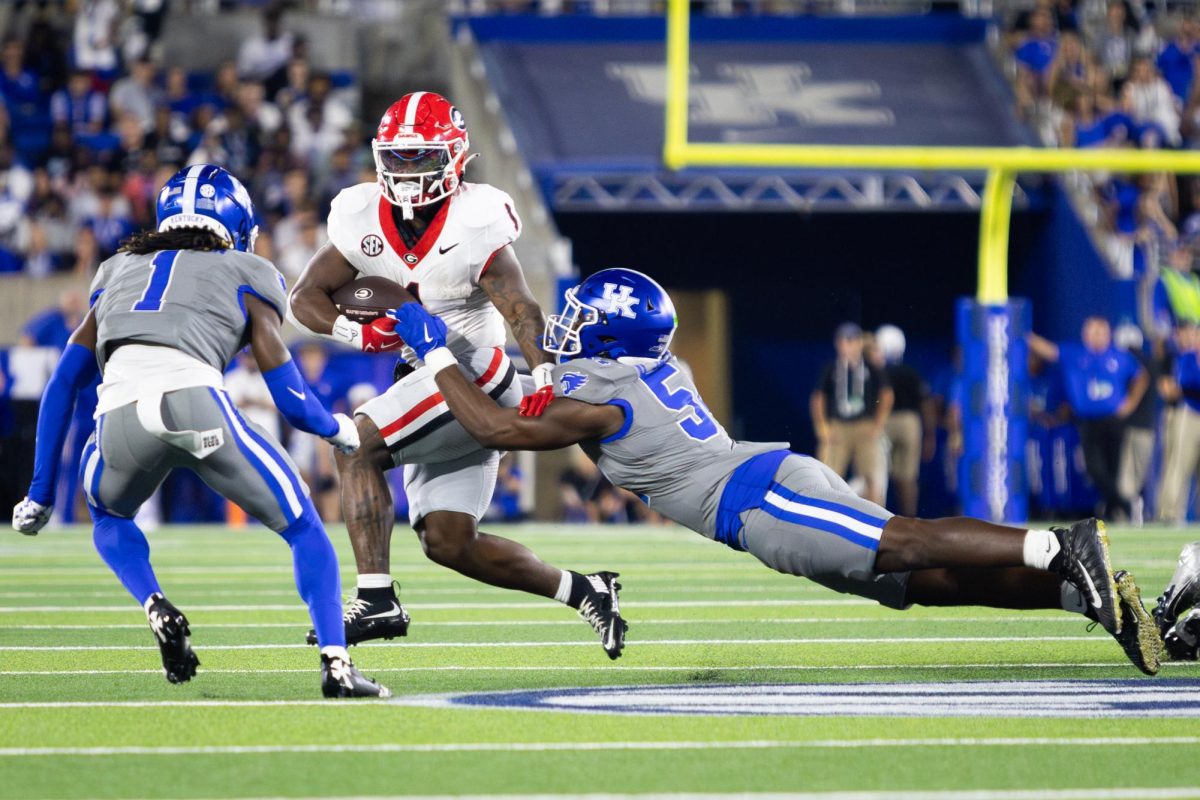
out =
column 539, row 747
column 641, row 643
column 480, row 606
column 991, row 665
column 1147, row 793
column 1058, row 620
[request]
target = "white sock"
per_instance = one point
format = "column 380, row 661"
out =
column 563, row 595
column 374, row 580
column 151, row 599
column 1072, row 599
column 333, row 651
column 1040, row 548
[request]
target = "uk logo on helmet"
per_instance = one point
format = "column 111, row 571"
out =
column 372, row 245
column 620, row 300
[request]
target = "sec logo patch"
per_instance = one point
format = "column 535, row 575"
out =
column 372, row 245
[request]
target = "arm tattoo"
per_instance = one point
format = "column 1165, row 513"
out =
column 508, row 291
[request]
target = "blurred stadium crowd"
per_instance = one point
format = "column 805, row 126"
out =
column 94, row 116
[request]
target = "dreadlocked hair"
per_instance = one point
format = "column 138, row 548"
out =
column 175, row 239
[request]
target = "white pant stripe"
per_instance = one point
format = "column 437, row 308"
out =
column 871, row 531
column 273, row 468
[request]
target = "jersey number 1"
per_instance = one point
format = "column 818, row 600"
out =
column 160, row 281
column 699, row 423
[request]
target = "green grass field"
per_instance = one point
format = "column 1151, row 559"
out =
column 85, row 711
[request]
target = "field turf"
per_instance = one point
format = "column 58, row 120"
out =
column 86, row 713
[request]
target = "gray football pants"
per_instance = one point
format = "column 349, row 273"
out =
column 123, row 462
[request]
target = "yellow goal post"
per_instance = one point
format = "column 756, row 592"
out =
column 1001, row 163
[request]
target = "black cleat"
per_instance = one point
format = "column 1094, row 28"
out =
column 371, row 619
column 1182, row 639
column 601, row 610
column 171, row 630
column 1084, row 563
column 340, row 678
column 1138, row 637
column 1181, row 594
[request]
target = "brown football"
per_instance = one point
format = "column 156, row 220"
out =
column 369, row 298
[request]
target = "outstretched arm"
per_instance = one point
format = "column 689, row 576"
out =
column 1042, row 347
column 564, row 423
column 75, row 370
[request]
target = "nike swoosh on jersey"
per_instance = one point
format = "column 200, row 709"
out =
column 395, row 612
column 299, row 395
column 443, row 250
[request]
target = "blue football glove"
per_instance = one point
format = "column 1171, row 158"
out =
column 419, row 329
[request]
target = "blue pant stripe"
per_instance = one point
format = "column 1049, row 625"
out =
column 259, row 467
column 828, row 505
column 822, row 525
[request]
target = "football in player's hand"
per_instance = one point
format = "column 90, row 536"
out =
column 369, row 298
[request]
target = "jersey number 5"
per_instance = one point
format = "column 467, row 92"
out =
column 699, row 423
column 160, row 281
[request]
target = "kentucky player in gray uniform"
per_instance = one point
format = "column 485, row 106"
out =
column 625, row 399
column 168, row 314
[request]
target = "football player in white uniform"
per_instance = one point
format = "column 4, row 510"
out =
column 449, row 243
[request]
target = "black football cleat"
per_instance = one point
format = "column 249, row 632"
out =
column 601, row 609
column 371, row 619
column 1182, row 640
column 1181, row 594
column 171, row 630
column 1083, row 562
column 340, row 678
column 1139, row 636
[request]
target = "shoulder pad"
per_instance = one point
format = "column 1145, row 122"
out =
column 593, row 380
column 482, row 205
column 353, row 199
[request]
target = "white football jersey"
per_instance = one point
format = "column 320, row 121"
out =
column 444, row 266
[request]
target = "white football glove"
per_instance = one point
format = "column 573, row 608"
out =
column 345, row 441
column 29, row 516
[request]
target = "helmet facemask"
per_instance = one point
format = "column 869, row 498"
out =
column 417, row 173
column 561, row 336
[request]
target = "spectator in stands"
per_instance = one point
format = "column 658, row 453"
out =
column 910, row 427
column 137, row 95
column 318, row 123
column 264, row 55
column 180, row 99
column 1103, row 387
column 506, row 500
column 1088, row 126
column 19, row 86
column 95, row 36
column 309, row 236
column 111, row 223
column 251, row 99
column 1115, row 45
column 316, row 462
column 1176, row 298
column 1072, row 72
column 78, row 107
column 296, row 88
column 583, row 490
column 1035, row 56
column 1137, row 451
column 52, row 327
column 850, row 407
column 1177, row 59
column 1148, row 99
column 1180, row 384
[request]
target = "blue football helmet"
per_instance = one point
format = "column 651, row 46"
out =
column 616, row 313
column 206, row 196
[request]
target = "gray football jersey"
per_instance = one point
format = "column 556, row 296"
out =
column 671, row 451
column 190, row 300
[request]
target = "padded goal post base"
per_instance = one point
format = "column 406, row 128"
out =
column 993, row 399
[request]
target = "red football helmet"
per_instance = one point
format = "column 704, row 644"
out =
column 420, row 150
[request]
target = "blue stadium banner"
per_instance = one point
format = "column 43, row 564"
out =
column 995, row 409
